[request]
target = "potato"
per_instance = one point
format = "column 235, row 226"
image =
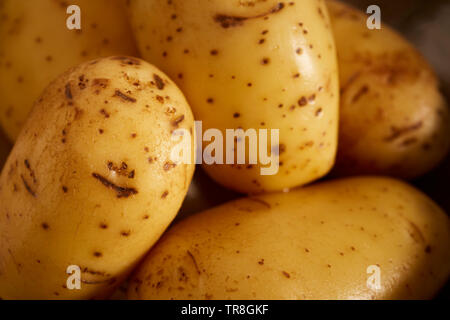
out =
column 318, row 242
column 261, row 65
column 393, row 120
column 90, row 181
column 36, row 46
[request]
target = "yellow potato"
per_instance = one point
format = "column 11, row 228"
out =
column 393, row 120
column 36, row 46
column 90, row 181
column 251, row 65
column 318, row 242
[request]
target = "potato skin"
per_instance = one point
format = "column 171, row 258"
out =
column 36, row 47
column 313, row 243
column 393, row 119
column 245, row 64
column 90, row 181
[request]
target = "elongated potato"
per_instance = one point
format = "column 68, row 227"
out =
column 358, row 238
column 36, row 46
column 251, row 65
column 90, row 181
column 393, row 120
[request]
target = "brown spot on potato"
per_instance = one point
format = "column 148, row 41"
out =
column 27, row 187
column 105, row 113
column 127, row 60
column 100, row 82
column 169, row 165
column 123, row 96
column 176, row 122
column 159, row 81
column 398, row 132
column 302, row 102
column 287, row 275
column 362, row 91
column 194, row 261
column 122, row 192
column 265, row 61
column 160, row 99
column 227, row 21
column 68, row 92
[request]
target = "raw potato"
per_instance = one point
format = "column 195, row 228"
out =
column 90, row 181
column 313, row 243
column 36, row 47
column 393, row 120
column 251, row 64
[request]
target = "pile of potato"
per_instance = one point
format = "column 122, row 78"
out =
column 90, row 181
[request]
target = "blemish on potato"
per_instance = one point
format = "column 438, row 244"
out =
column 159, row 81
column 105, row 113
column 194, row 261
column 68, row 92
column 169, row 165
column 122, row 192
column 27, row 187
column 176, row 122
column 227, row 21
column 123, row 96
column 398, row 132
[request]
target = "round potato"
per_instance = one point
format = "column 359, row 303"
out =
column 357, row 238
column 36, row 46
column 258, row 66
column 393, row 119
column 90, row 183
